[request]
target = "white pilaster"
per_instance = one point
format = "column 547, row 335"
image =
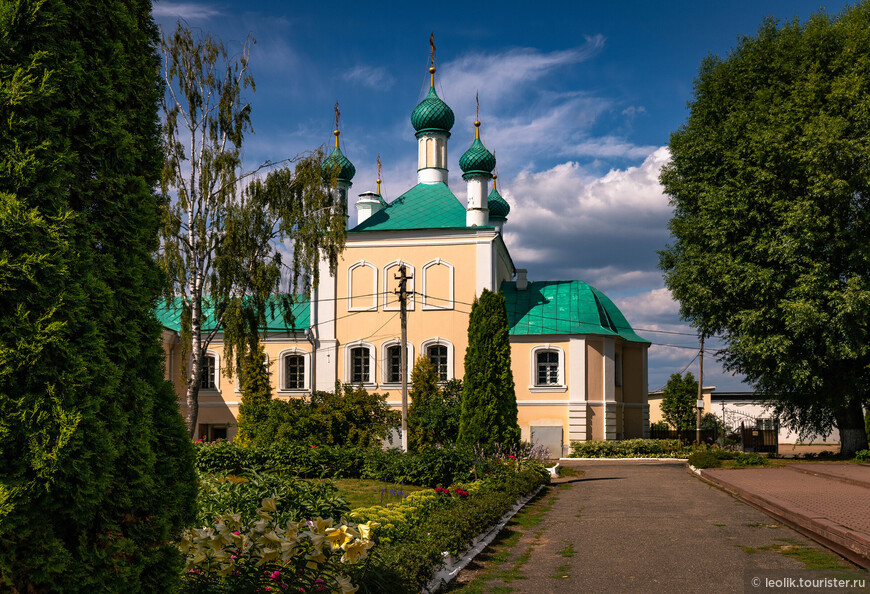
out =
column 578, row 422
column 431, row 158
column 323, row 303
column 485, row 270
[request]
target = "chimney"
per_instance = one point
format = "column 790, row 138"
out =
column 368, row 204
column 522, row 279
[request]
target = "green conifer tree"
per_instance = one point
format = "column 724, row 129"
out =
column 97, row 474
column 489, row 403
column 425, row 398
column 256, row 393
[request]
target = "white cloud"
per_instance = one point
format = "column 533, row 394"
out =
column 373, row 77
column 497, row 75
column 184, row 10
column 653, row 305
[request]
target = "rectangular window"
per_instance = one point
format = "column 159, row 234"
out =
column 548, row 368
column 209, row 370
column 359, row 370
column 294, row 372
column 438, row 357
column 394, row 364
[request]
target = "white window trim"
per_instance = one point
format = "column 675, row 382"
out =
column 389, row 295
column 385, row 364
column 348, row 363
column 424, row 352
column 439, row 302
column 306, row 383
column 560, row 386
column 374, row 289
column 217, row 372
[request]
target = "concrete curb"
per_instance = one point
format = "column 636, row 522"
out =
column 659, row 460
column 453, row 566
column 819, row 471
column 848, row 543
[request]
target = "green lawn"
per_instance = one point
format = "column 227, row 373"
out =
column 365, row 492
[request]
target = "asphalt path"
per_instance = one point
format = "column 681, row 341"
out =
column 648, row 527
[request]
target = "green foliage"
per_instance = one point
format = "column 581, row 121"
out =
column 350, row 417
column 633, row 448
column 434, row 412
column 769, row 184
column 705, row 460
column 679, row 399
column 222, row 242
column 406, row 564
column 862, row 456
column 96, row 476
column 749, row 460
column 256, row 392
column 489, row 403
column 299, row 499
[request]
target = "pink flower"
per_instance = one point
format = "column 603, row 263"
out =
column 512, row 457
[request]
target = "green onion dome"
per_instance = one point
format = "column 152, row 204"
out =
column 432, row 114
column 476, row 160
column 346, row 170
column 498, row 206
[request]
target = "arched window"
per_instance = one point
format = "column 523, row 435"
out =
column 359, row 363
column 440, row 353
column 548, row 369
column 210, row 378
column 391, row 357
column 293, row 370
column 391, row 283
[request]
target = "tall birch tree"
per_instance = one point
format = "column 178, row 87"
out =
column 234, row 244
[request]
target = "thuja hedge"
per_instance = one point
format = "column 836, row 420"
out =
column 407, row 564
column 433, row 467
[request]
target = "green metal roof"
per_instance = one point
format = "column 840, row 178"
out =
column 432, row 114
column 170, row 316
column 564, row 307
column 425, row 206
column 346, row 170
column 476, row 160
column 498, row 206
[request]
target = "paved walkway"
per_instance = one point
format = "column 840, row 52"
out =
column 828, row 501
column 641, row 528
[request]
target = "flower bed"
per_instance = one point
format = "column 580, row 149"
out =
column 634, row 448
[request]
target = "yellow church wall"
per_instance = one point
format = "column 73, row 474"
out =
column 595, row 370
column 524, row 366
column 595, row 418
column 542, row 416
column 632, row 366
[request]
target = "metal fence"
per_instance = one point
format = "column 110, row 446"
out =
column 764, row 437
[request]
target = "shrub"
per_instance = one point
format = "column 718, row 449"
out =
column 862, row 455
column 633, row 448
column 749, row 460
column 434, row 413
column 705, row 460
column 227, row 493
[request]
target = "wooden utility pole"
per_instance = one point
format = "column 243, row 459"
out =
column 700, row 402
column 402, row 291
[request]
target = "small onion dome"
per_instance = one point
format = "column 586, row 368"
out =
column 432, row 114
column 498, row 206
column 346, row 170
column 476, row 160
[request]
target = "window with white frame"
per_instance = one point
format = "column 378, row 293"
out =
column 439, row 351
column 359, row 363
column 437, row 285
column 294, row 372
column 391, row 284
column 208, row 378
column 362, row 287
column 437, row 354
column 391, row 361
column 547, row 369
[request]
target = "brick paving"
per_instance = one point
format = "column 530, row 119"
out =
column 832, row 505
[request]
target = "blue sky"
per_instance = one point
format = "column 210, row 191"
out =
column 577, row 100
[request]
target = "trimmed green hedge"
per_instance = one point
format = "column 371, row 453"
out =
column 433, row 467
column 408, row 563
column 634, row 448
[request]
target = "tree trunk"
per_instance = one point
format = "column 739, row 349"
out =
column 850, row 423
column 197, row 360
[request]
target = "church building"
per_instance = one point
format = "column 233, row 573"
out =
column 580, row 370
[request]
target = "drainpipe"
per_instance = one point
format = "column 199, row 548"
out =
column 310, row 336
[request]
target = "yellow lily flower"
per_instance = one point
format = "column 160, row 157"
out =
column 345, row 585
